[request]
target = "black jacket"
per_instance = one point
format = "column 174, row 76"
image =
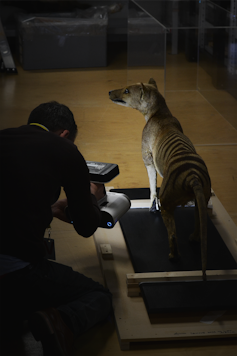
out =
column 34, row 165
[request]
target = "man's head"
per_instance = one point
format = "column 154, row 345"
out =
column 58, row 118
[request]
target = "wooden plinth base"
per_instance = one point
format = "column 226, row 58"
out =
column 132, row 321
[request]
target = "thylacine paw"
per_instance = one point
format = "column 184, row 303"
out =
column 154, row 207
column 174, row 251
column 173, row 257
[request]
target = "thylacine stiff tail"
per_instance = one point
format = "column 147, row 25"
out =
column 201, row 210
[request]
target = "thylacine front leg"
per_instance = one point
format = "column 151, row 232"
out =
column 152, row 175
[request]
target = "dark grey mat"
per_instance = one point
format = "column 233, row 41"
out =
column 146, row 238
column 166, row 297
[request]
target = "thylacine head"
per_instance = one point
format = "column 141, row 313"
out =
column 143, row 97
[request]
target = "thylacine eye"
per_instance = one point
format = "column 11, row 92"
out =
column 126, row 91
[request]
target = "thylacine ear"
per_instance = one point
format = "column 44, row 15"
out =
column 144, row 91
column 152, row 81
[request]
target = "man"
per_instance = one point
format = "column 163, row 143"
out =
column 38, row 159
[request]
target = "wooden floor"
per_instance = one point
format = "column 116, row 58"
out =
column 111, row 133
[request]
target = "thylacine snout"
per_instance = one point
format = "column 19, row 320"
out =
column 166, row 150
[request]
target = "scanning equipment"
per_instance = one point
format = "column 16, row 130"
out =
column 113, row 205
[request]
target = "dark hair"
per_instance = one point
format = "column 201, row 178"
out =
column 54, row 116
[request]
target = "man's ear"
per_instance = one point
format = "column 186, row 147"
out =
column 64, row 134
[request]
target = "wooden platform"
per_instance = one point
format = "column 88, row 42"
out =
column 132, row 321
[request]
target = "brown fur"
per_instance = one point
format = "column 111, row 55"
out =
column 166, row 150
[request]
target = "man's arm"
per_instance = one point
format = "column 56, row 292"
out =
column 83, row 208
column 58, row 210
column 59, row 207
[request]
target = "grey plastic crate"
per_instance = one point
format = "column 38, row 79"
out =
column 53, row 41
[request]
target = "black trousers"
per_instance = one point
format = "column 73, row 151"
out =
column 81, row 301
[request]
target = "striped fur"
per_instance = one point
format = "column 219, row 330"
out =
column 166, row 150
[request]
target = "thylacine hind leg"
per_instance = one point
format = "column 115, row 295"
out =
column 168, row 218
column 195, row 236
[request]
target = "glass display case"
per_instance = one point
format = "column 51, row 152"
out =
column 185, row 45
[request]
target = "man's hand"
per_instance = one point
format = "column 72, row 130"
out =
column 98, row 190
column 58, row 210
